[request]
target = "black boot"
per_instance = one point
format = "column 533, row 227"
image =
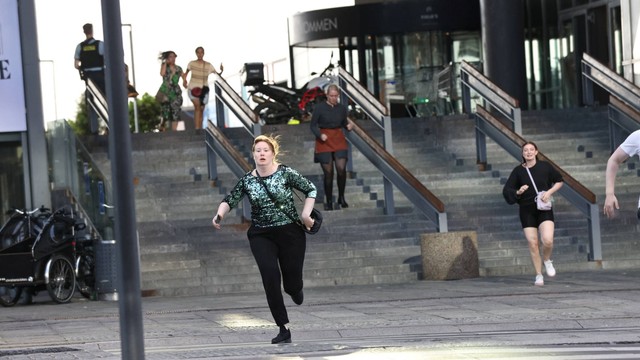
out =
column 298, row 298
column 284, row 336
column 342, row 202
column 329, row 204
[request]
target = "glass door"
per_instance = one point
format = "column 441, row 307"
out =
column 467, row 47
column 12, row 184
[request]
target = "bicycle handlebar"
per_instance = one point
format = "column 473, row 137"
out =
column 29, row 212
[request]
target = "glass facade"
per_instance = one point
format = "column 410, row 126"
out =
column 74, row 170
column 12, row 193
column 420, row 67
column 410, row 66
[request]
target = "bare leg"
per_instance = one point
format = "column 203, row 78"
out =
column 531, row 234
column 198, row 110
column 546, row 235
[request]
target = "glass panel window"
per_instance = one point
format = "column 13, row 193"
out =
column 12, row 193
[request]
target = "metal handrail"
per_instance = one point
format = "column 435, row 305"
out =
column 624, row 99
column 77, row 173
column 623, row 120
column 361, row 96
column 596, row 72
column 225, row 94
column 576, row 193
column 395, row 174
column 472, row 79
column 98, row 103
column 218, row 144
column 377, row 112
column 401, row 177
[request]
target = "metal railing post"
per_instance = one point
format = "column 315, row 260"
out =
column 481, row 144
column 389, row 203
column 220, row 114
column 587, row 85
column 466, row 94
column 211, row 159
column 595, row 241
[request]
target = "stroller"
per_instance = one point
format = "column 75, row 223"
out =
column 39, row 251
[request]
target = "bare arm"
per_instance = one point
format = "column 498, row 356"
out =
column 223, row 209
column 306, row 212
column 547, row 195
column 163, row 69
column 613, row 164
column 184, row 77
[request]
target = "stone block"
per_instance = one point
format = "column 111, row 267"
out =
column 450, row 255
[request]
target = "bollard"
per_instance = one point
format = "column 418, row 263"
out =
column 450, row 255
column 106, row 269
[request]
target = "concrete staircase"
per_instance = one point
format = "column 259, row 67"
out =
column 182, row 254
column 577, row 140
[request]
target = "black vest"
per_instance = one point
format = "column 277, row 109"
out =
column 89, row 54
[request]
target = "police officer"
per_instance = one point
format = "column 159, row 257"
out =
column 89, row 58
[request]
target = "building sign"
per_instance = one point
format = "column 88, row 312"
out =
column 385, row 18
column 12, row 102
column 323, row 24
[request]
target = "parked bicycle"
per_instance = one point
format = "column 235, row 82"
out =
column 40, row 251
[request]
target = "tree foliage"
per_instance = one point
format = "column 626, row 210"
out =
column 148, row 115
column 81, row 123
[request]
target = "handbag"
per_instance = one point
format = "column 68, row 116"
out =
column 161, row 97
column 540, row 204
column 200, row 93
column 316, row 215
column 196, row 92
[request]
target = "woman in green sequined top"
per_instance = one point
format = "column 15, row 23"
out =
column 277, row 242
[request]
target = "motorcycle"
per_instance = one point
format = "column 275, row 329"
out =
column 280, row 104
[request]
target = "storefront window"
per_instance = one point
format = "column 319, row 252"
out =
column 310, row 60
column 12, row 193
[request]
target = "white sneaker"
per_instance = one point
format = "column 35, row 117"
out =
column 548, row 265
column 539, row 280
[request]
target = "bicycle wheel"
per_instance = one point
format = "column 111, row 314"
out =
column 60, row 279
column 9, row 295
column 85, row 278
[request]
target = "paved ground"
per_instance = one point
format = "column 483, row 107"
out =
column 586, row 315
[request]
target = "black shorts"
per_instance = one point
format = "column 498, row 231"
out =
column 326, row 157
column 530, row 216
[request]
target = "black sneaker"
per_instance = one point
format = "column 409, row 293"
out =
column 284, row 337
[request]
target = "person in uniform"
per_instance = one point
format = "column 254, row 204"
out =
column 89, row 58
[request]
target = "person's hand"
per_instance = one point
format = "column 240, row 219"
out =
column 323, row 137
column 349, row 124
column 545, row 197
column 610, row 206
column 184, row 83
column 216, row 221
column 522, row 189
column 308, row 221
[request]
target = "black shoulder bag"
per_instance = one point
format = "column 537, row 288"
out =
column 316, row 215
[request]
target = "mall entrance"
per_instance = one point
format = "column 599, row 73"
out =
column 12, row 179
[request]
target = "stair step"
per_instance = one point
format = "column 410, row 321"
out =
column 182, row 255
